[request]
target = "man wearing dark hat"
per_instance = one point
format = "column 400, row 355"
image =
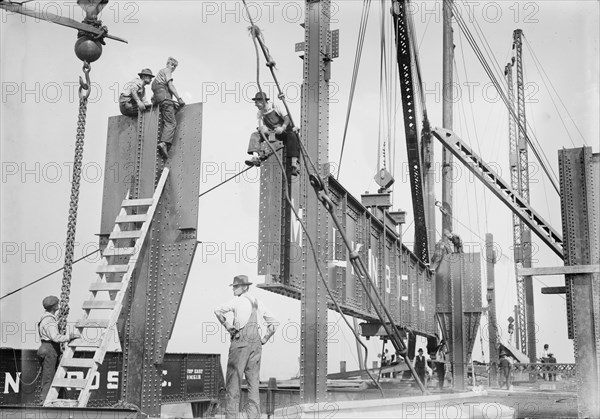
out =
column 131, row 100
column 272, row 122
column 246, row 345
column 51, row 338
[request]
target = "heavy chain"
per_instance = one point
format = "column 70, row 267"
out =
column 84, row 92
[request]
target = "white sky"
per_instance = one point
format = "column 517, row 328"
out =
column 39, row 72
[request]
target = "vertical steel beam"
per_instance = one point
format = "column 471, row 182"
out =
column 315, row 121
column 524, row 284
column 580, row 202
column 457, row 344
column 447, row 102
column 490, row 259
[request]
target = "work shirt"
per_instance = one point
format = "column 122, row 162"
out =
column 160, row 85
column 48, row 328
column 271, row 116
column 241, row 307
column 136, row 85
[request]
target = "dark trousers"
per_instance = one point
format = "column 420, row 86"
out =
column 48, row 355
column 128, row 106
column 167, row 110
column 289, row 138
column 440, row 368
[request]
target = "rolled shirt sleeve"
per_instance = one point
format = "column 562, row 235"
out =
column 49, row 330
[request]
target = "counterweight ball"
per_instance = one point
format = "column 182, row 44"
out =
column 88, row 49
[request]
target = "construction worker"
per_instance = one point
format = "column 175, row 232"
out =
column 246, row 345
column 421, row 366
column 132, row 99
column 49, row 351
column 505, row 369
column 163, row 91
column 271, row 121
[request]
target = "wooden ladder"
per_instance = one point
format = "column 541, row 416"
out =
column 102, row 310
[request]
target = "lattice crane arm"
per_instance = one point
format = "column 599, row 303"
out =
column 500, row 188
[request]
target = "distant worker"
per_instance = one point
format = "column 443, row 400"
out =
column 246, row 345
column 505, row 370
column 551, row 360
column 133, row 97
column 545, row 357
column 442, row 248
column 164, row 90
column 271, row 121
column 421, row 366
column 455, row 240
column 49, row 351
column 440, row 363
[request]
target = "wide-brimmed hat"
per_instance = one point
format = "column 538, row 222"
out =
column 146, row 72
column 49, row 302
column 260, row 96
column 240, row 280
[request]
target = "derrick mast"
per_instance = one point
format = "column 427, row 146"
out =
column 519, row 170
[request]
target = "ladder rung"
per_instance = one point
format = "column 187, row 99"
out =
column 102, row 269
column 135, row 218
column 68, row 382
column 99, row 304
column 77, row 362
column 92, row 323
column 119, row 251
column 131, row 234
column 83, row 343
column 143, row 202
column 106, row 286
column 63, row 403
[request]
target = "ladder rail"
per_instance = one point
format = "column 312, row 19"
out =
column 108, row 328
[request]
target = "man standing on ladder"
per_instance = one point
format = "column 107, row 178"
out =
column 163, row 90
column 49, row 351
column 246, row 345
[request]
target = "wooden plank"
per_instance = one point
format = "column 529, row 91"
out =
column 83, row 343
column 142, row 202
column 131, row 234
column 77, row 362
column 92, row 323
column 69, row 382
column 105, row 286
column 560, row 270
column 135, row 218
column 98, row 304
column 101, row 269
column 119, row 251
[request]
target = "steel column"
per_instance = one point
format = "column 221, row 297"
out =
column 490, row 260
column 447, row 116
column 580, row 202
column 315, row 121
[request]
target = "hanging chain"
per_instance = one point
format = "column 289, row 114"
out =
column 84, row 93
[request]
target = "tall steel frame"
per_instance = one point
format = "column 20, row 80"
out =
column 519, row 176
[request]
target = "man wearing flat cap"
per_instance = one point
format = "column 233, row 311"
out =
column 246, row 345
column 133, row 97
column 49, row 350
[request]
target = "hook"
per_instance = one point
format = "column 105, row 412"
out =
column 87, row 85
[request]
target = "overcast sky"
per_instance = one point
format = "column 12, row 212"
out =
column 39, row 74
